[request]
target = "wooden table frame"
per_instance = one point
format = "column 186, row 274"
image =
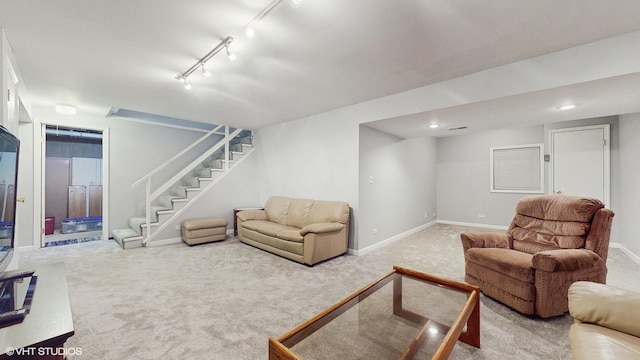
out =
column 279, row 349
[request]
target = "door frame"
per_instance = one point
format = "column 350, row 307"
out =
column 39, row 134
column 606, row 163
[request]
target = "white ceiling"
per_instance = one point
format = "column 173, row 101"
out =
column 319, row 56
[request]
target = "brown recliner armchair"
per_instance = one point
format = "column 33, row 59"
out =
column 553, row 241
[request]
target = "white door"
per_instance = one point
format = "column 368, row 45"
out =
column 580, row 161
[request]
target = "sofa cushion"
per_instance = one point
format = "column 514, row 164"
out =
column 328, row 212
column 267, row 227
column 290, row 235
column 595, row 342
column 514, row 264
column 298, row 212
column 605, row 305
column 277, row 208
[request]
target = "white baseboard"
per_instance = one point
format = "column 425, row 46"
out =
column 164, row 242
column 484, row 226
column 390, row 240
column 633, row 256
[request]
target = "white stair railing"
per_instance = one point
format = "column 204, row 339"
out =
column 151, row 195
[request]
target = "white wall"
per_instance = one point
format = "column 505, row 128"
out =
column 314, row 158
column 463, row 173
column 628, row 180
column 403, row 189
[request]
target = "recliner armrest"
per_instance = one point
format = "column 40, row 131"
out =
column 246, row 215
column 605, row 305
column 564, row 260
column 486, row 240
column 320, row 228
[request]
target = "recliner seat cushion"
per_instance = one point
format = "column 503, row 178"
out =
column 514, row 264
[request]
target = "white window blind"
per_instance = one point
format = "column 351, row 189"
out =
column 517, row 169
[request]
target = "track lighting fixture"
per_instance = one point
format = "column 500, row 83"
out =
column 200, row 63
column 225, row 43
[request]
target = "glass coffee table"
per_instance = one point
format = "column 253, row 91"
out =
column 403, row 315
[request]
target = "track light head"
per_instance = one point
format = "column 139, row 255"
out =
column 206, row 73
column 185, row 83
column 232, row 56
column 250, row 32
column 295, row 3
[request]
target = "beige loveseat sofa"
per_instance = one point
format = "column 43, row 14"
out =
column 304, row 230
column 606, row 322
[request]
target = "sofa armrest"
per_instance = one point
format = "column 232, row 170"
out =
column 485, row 240
column 605, row 305
column 246, row 215
column 565, row 260
column 320, row 228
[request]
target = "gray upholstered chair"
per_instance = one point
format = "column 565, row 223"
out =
column 553, row 241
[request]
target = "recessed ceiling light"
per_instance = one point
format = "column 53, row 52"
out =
column 433, row 126
column 66, row 109
column 566, row 107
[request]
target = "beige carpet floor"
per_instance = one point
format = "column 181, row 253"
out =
column 223, row 300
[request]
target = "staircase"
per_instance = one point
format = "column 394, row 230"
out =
column 164, row 204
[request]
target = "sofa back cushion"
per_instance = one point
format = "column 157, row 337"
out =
column 328, row 212
column 544, row 222
column 277, row 208
column 299, row 210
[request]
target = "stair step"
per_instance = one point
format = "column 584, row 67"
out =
column 167, row 201
column 191, row 182
column 179, row 190
column 155, row 210
column 127, row 238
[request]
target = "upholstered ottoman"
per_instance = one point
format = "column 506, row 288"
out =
column 200, row 231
